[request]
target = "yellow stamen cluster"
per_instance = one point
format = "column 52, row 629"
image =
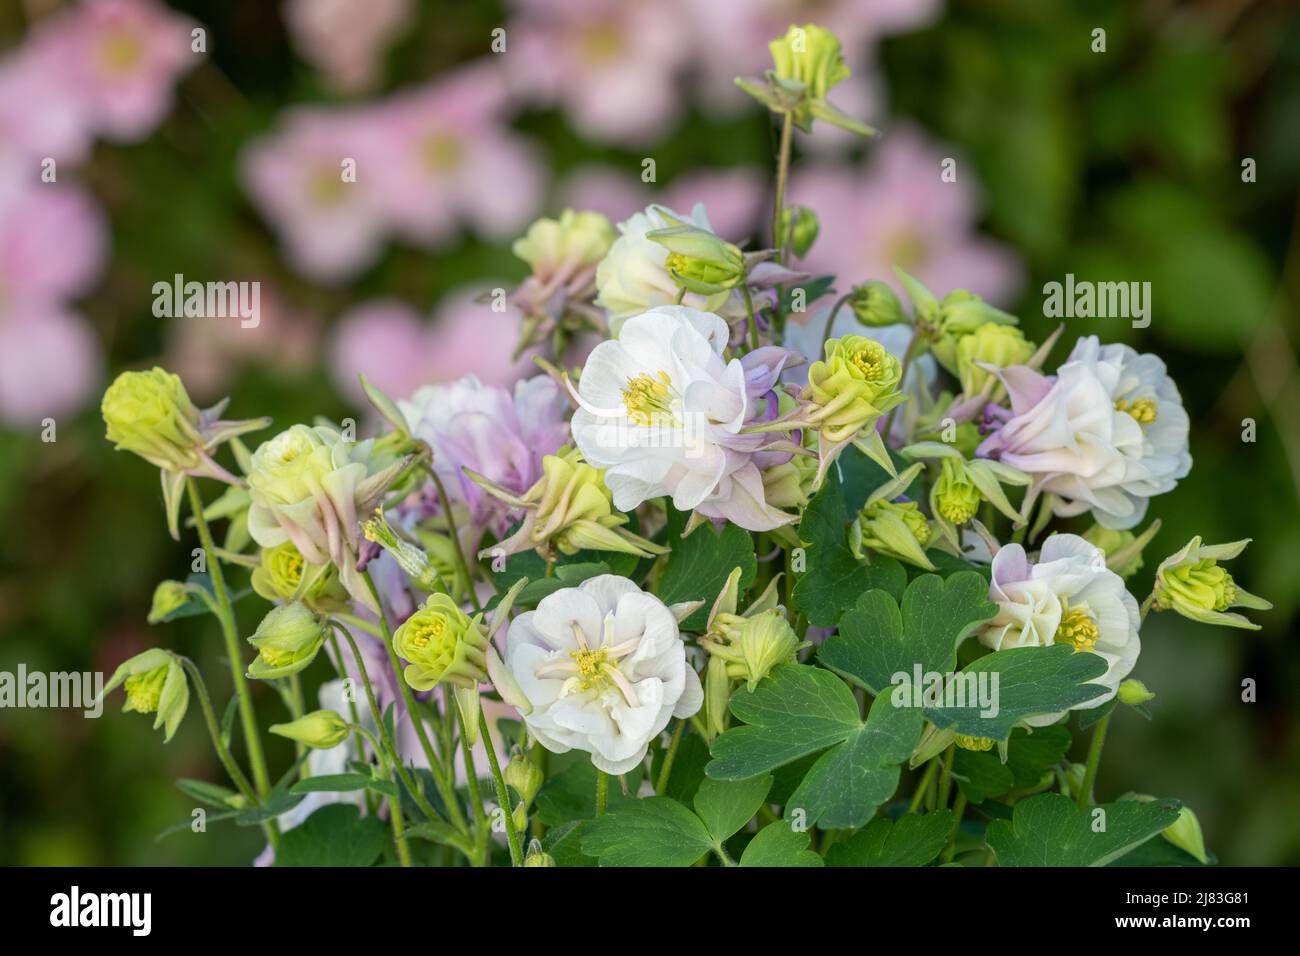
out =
column 589, row 664
column 1143, row 410
column 443, row 152
column 427, row 632
column 1078, row 629
column 870, row 361
column 645, row 397
column 967, row 742
column 143, row 691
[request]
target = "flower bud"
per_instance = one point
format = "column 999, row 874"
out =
column 151, row 414
column 1134, row 693
column 809, row 55
column 575, row 240
column 155, row 683
column 1110, row 541
column 717, row 693
column 536, row 856
column 875, row 304
column 287, row 640
column 990, row 344
column 799, row 229
column 853, row 386
column 525, row 777
column 440, row 643
column 700, row 261
column 765, row 641
column 1185, row 833
column 321, row 729
column 168, row 598
column 1192, row 583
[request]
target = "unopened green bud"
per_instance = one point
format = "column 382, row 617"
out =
column 895, row 528
column 441, row 644
column 717, row 692
column 151, row 414
column 321, row 729
column 168, row 598
column 287, row 641
column 765, row 641
column 1185, row 833
column 536, row 856
column 525, row 777
column 799, row 229
column 1134, row 693
column 990, row 344
column 875, row 304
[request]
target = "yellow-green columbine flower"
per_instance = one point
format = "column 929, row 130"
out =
column 807, row 64
column 699, row 260
column 943, row 323
column 288, row 640
column 1192, row 583
column 963, row 485
column 894, row 528
column 155, row 683
column 574, row 241
column 282, row 574
column 567, row 510
column 440, row 643
column 150, row 414
column 992, row 344
column 321, row 729
column 853, row 386
column 556, row 299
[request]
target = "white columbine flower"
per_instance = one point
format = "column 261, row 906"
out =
column 663, row 413
column 633, row 276
column 1106, row 433
column 604, row 668
column 1068, row 596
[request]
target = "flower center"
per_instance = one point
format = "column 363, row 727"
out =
column 1078, row 629
column 275, row 657
column 600, row 44
column 120, row 52
column 589, row 664
column 1143, row 410
column 443, row 152
column 145, row 690
column 870, row 361
column 327, row 187
column 967, row 742
column 428, row 632
column 645, row 397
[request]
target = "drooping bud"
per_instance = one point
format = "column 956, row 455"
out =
column 287, row 641
column 955, row 496
column 765, row 641
column 155, row 683
column 150, row 413
column 1185, row 833
column 536, row 856
column 895, row 528
column 1134, row 693
column 698, row 260
column 168, row 598
column 799, row 229
column 440, row 643
column 321, row 729
column 874, row 304
column 524, row 777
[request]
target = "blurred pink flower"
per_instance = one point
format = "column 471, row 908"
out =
column 53, row 241
column 899, row 212
column 124, row 58
column 207, row 352
column 449, row 158
column 41, row 114
column 398, row 351
column 611, row 64
column 734, row 198
column 330, row 221
column 346, row 39
column 50, row 362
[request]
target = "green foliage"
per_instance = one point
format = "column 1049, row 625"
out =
column 1049, row 830
column 700, row 563
column 911, row 840
column 335, row 835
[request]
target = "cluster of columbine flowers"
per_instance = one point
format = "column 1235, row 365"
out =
column 384, row 553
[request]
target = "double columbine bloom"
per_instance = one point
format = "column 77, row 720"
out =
column 150, row 414
column 308, row 487
column 603, row 668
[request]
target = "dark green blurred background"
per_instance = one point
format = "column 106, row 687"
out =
column 1125, row 165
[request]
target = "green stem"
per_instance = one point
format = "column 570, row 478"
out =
column 214, row 731
column 945, row 779
column 666, row 770
column 481, row 828
column 389, row 745
column 830, row 322
column 782, row 174
column 958, row 809
column 749, row 309
column 1094, row 759
column 1146, row 605
column 296, row 710
column 723, row 855
column 394, row 804
column 911, row 353
column 462, row 566
column 918, row 795
column 436, row 767
column 248, row 717
column 602, row 792
column 503, row 796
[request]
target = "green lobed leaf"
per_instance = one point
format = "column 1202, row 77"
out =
column 779, row 844
column 982, row 774
column 335, row 835
column 911, row 840
column 1049, row 830
column 700, row 563
column 655, row 831
column 726, row 806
